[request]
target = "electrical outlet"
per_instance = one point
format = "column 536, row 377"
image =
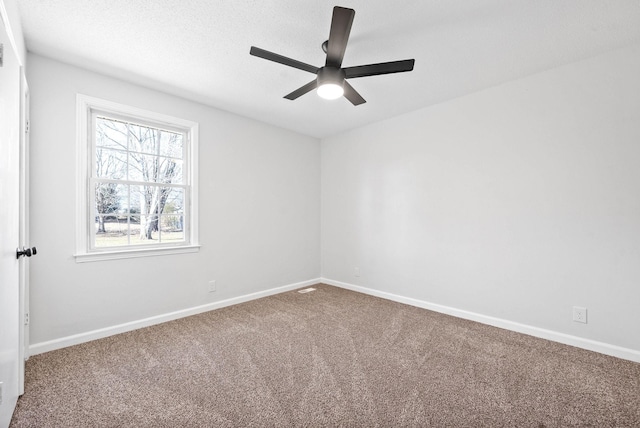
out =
column 212, row 286
column 1, row 384
column 580, row 314
column 357, row 272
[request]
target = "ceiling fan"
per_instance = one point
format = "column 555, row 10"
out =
column 331, row 79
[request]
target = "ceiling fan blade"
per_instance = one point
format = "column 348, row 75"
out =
column 282, row 60
column 302, row 90
column 380, row 68
column 339, row 35
column 352, row 95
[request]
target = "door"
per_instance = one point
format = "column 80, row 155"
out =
column 9, row 228
column 23, row 319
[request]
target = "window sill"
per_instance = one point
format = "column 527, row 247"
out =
column 134, row 253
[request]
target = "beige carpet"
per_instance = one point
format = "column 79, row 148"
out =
column 327, row 358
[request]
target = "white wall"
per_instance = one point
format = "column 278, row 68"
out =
column 259, row 212
column 517, row 202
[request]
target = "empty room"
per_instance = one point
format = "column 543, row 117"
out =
column 319, row 214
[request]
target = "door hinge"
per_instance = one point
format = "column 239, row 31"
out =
column 26, row 127
column 1, row 54
column 26, row 318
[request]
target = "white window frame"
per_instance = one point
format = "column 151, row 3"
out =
column 86, row 108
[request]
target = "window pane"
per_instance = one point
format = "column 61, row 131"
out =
column 111, row 164
column 143, row 139
column 171, row 144
column 111, row 198
column 174, row 201
column 172, row 228
column 134, row 231
column 144, row 199
column 170, row 171
column 110, row 133
column 149, row 228
column 143, row 168
column 137, row 200
column 111, row 230
column 151, row 169
column 125, row 200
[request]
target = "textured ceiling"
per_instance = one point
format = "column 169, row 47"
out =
column 199, row 49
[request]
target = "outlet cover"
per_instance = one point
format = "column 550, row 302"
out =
column 212, row 286
column 580, row 314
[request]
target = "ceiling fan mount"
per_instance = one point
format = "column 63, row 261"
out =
column 331, row 80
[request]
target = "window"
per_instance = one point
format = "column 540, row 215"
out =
column 137, row 193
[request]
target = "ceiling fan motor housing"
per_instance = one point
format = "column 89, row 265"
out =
column 331, row 75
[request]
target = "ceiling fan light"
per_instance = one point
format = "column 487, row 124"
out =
column 330, row 82
column 330, row 91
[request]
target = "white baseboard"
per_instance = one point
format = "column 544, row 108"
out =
column 51, row 345
column 591, row 345
column 579, row 342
